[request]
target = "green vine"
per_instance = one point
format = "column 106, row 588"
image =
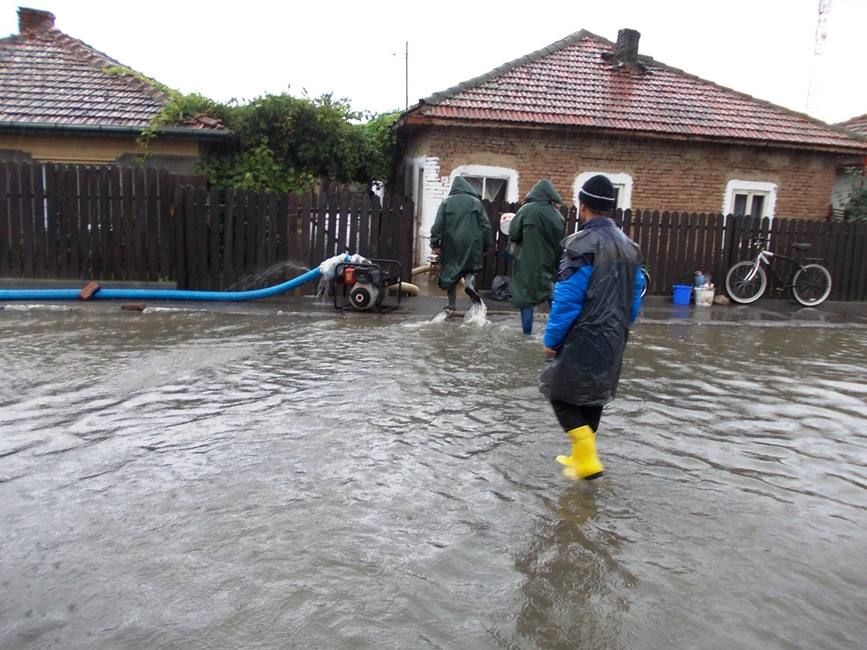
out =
column 179, row 106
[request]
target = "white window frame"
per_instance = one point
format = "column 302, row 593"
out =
column 488, row 171
column 620, row 180
column 752, row 188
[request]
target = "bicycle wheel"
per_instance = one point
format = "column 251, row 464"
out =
column 743, row 291
column 646, row 275
column 811, row 285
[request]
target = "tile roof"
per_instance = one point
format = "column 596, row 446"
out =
column 856, row 124
column 570, row 83
column 50, row 78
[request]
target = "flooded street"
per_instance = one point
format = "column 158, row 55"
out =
column 179, row 479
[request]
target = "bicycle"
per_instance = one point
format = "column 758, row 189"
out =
column 747, row 280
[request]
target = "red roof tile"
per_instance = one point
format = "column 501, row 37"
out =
column 47, row 77
column 569, row 83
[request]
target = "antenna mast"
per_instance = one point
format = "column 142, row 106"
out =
column 818, row 51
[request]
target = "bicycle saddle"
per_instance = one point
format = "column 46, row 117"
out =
column 800, row 246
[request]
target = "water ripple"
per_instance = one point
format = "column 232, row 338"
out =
column 227, row 480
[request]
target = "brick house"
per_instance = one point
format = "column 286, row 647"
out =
column 668, row 140
column 63, row 101
column 845, row 181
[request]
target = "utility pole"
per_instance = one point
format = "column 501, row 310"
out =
column 813, row 90
column 406, row 74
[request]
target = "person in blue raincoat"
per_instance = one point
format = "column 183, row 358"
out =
column 597, row 297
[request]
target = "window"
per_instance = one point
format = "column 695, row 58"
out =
column 492, row 189
column 750, row 198
column 492, row 183
column 622, row 187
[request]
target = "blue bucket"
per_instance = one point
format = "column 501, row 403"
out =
column 682, row 294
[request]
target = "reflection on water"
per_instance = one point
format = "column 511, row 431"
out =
column 198, row 479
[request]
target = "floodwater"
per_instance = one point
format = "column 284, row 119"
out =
column 179, row 479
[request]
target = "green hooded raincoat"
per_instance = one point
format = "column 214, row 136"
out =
column 463, row 231
column 537, row 229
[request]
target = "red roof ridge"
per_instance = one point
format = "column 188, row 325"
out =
column 574, row 89
column 857, row 118
column 49, row 77
column 508, row 66
column 751, row 98
column 102, row 61
column 856, row 126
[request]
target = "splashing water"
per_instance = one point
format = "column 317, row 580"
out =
column 274, row 274
column 440, row 317
column 477, row 315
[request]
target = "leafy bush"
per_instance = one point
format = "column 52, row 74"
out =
column 856, row 208
column 285, row 143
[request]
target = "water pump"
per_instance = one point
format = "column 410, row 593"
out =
column 366, row 285
column 363, row 286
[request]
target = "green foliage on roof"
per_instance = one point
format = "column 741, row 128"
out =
column 178, row 108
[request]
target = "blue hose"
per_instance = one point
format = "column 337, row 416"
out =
column 160, row 294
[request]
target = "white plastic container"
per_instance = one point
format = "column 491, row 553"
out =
column 703, row 296
column 505, row 222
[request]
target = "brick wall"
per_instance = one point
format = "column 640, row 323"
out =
column 667, row 175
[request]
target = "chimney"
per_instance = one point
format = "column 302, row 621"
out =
column 34, row 20
column 625, row 52
column 627, row 45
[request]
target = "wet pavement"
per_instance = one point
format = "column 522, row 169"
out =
column 279, row 474
column 432, row 300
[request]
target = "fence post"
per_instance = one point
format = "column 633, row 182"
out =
column 406, row 238
column 182, row 206
column 5, row 218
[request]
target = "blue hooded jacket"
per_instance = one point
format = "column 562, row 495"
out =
column 596, row 298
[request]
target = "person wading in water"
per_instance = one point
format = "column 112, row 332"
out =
column 596, row 298
column 536, row 229
column 460, row 236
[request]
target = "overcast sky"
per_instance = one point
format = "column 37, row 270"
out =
column 356, row 49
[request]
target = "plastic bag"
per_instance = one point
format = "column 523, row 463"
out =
column 501, row 288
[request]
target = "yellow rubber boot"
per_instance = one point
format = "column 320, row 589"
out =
column 583, row 463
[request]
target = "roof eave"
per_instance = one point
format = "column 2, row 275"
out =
column 417, row 119
column 114, row 129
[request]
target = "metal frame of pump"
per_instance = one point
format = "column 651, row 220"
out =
column 363, row 287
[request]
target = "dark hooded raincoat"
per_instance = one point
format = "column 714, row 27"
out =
column 537, row 229
column 463, row 232
column 586, row 369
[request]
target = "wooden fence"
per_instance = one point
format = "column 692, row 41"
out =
column 676, row 244
column 226, row 236
column 138, row 224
